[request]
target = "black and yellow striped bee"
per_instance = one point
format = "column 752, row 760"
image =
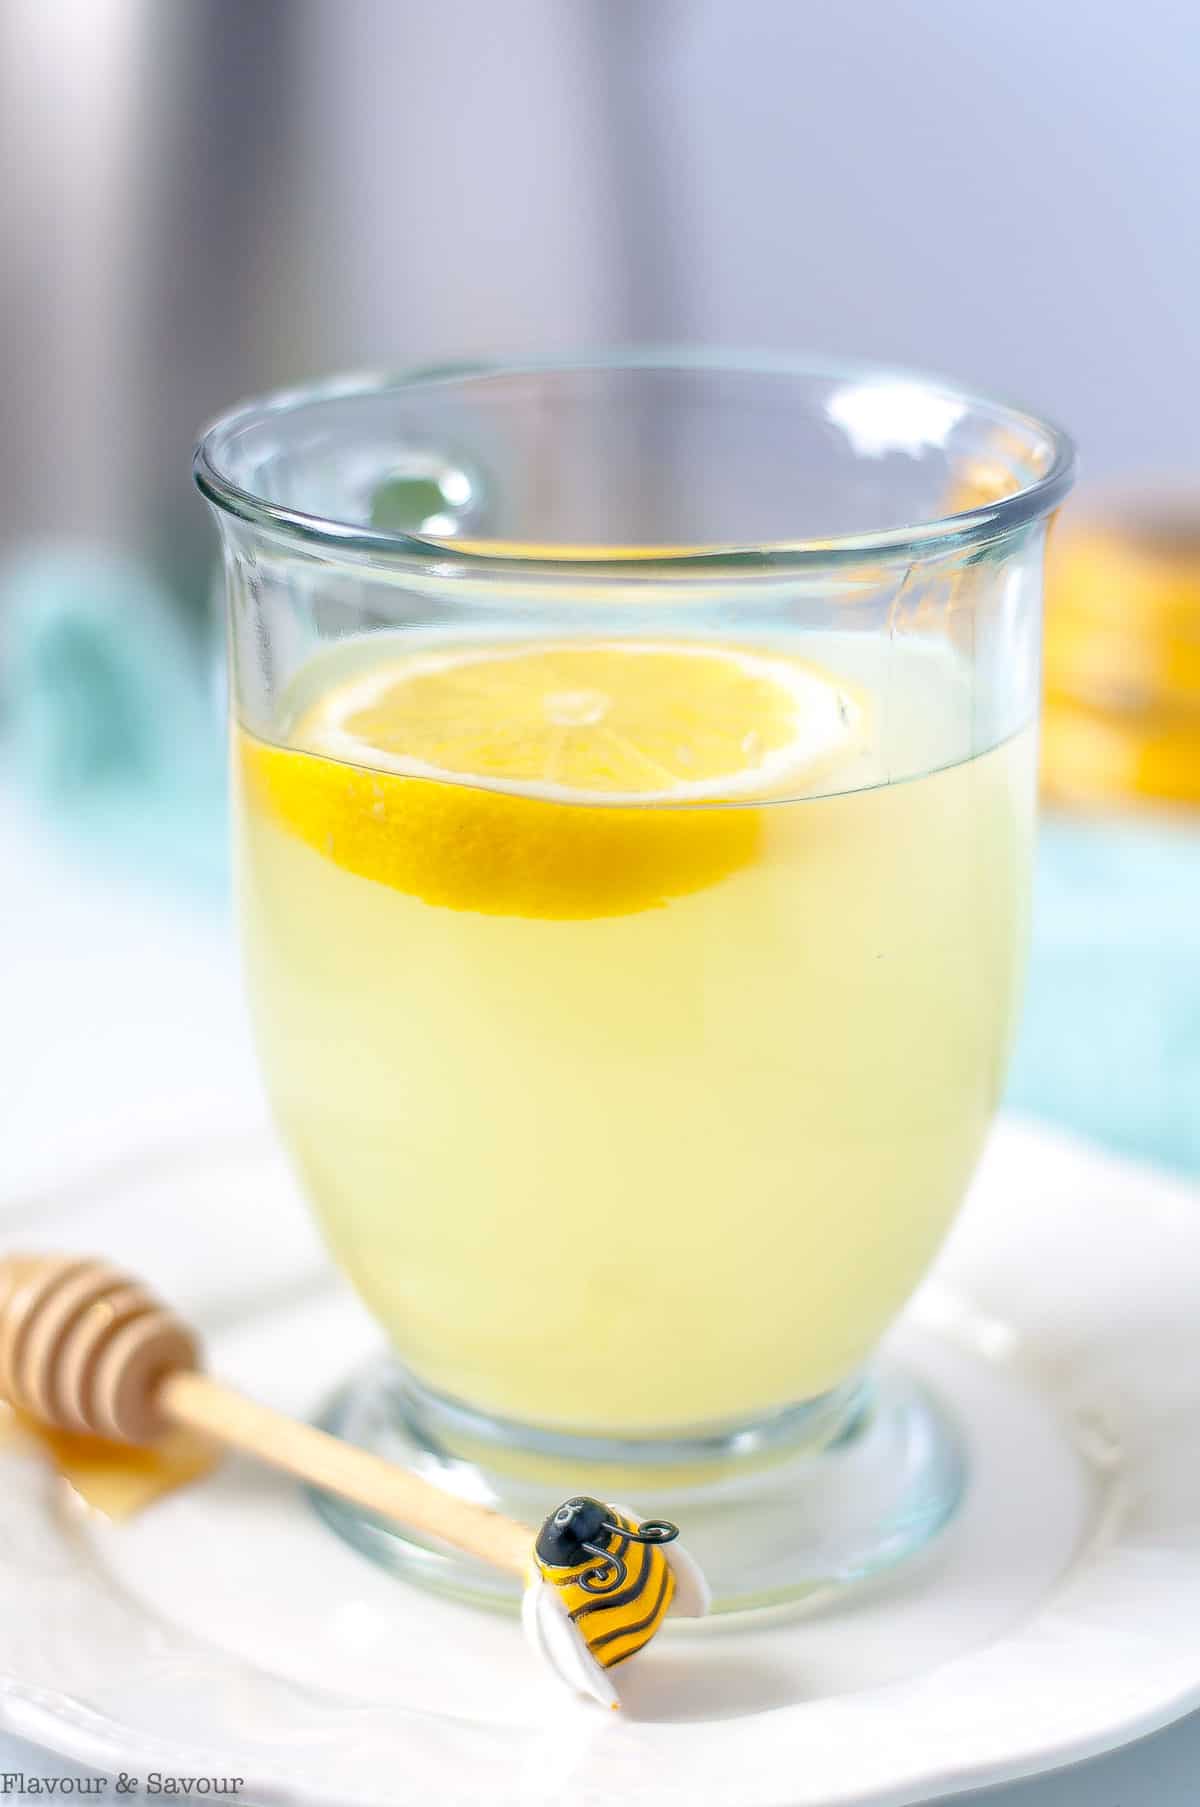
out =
column 605, row 1582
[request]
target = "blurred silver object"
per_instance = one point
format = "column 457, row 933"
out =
column 210, row 198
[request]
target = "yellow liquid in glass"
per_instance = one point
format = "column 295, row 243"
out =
column 640, row 1118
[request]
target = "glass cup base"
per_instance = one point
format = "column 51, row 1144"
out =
column 813, row 1497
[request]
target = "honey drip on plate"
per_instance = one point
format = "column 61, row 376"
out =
column 117, row 1480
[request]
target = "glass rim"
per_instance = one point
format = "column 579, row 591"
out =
column 948, row 533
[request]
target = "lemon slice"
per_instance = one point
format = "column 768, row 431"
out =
column 595, row 722
column 548, row 755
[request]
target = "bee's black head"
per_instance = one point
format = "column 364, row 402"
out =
column 561, row 1540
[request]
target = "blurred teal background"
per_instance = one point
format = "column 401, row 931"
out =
column 1110, row 1040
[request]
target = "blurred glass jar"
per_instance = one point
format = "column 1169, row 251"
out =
column 1122, row 649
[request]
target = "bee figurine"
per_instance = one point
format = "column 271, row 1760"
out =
column 603, row 1583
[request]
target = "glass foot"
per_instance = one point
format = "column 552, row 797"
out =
column 814, row 1497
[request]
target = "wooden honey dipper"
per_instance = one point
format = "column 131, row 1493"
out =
column 85, row 1348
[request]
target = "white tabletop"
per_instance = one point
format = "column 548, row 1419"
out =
column 125, row 1030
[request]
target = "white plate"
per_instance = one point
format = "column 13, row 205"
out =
column 226, row 1632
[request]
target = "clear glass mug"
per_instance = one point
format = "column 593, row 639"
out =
column 634, row 768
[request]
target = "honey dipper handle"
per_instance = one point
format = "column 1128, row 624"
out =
column 193, row 1399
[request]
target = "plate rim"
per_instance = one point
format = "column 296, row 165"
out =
column 58, row 1725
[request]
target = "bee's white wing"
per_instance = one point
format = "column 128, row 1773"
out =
column 549, row 1629
column 692, row 1597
